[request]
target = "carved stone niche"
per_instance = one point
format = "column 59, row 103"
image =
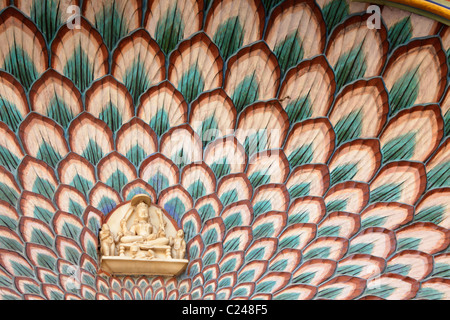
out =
column 140, row 238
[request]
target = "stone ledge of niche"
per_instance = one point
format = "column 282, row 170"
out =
column 120, row 266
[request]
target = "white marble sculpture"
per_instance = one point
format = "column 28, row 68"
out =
column 141, row 235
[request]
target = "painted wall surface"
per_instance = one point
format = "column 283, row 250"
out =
column 302, row 146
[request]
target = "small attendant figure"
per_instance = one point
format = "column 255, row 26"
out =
column 179, row 245
column 108, row 246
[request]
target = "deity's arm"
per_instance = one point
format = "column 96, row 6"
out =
column 132, row 231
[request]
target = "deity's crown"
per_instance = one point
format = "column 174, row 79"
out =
column 141, row 204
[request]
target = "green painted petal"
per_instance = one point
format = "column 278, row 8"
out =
column 300, row 109
column 221, row 168
column 300, row 190
column 47, row 16
column 44, row 188
column 181, row 158
column 265, row 287
column 330, row 293
column 350, row 66
column 93, row 153
column 228, row 266
column 405, row 90
column 206, row 212
column 375, row 221
column 72, row 255
column 210, row 237
column 448, row 59
column 269, row 4
column 48, row 154
column 78, row 69
column 430, row 294
column 261, row 207
column 8, row 222
column 4, row 281
column 386, row 193
column 106, row 205
column 191, row 83
column 59, row 112
column 434, row 214
column 229, row 37
column 20, row 65
column 349, row 127
column 402, row 269
column 287, row 296
column 190, row 230
column 329, row 231
column 382, row 291
column 233, row 220
column 305, row 277
column 175, row 208
column 160, row 122
column 447, row 124
column 350, row 270
column 117, row 180
column 302, row 155
column 317, row 253
column 255, row 254
column 111, row 116
column 81, row 184
column 400, row 148
column 42, row 214
column 169, row 30
column 39, row 237
column 136, row 191
column 301, row 217
column 291, row 242
column 70, row 231
column 8, row 159
column 9, row 114
column 136, row 154
column 209, row 130
column 259, row 178
column 337, row 205
column 400, row 32
column 441, row 270
column 344, row 173
column 255, row 143
column 263, row 231
column 75, row 208
column 7, row 194
column 408, row 244
column 21, row 270
column 232, row 245
column 197, row 190
column 10, row 244
column 136, row 80
column 246, row 92
column 334, row 12
column 289, row 52
column 439, row 177
column 111, row 25
column 361, row 248
column 229, row 197
column 210, row 258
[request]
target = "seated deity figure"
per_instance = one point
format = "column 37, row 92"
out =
column 142, row 232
